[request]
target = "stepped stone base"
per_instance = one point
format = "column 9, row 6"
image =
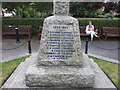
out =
column 60, row 76
column 17, row 79
column 65, row 76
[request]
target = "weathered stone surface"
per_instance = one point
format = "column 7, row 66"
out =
column 61, row 7
column 72, row 25
column 77, row 57
column 62, row 76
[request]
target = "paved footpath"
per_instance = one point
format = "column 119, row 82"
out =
column 101, row 48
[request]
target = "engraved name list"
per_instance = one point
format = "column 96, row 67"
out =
column 60, row 41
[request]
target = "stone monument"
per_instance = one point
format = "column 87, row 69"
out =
column 60, row 61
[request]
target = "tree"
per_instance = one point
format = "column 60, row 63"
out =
column 118, row 7
column 43, row 6
column 85, row 9
column 110, row 6
column 12, row 5
column 29, row 9
column 40, row 6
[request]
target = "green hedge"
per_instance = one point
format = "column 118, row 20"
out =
column 101, row 23
column 82, row 22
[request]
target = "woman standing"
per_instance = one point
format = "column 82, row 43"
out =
column 90, row 30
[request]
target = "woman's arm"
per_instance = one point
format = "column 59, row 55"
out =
column 92, row 27
column 86, row 28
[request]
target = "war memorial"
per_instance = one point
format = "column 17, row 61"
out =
column 60, row 61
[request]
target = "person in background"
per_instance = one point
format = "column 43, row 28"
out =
column 1, row 13
column 90, row 30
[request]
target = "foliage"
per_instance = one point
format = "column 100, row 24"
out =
column 20, row 11
column 90, row 9
column 39, row 6
column 26, row 14
column 110, row 69
column 83, row 12
column 30, row 12
column 8, row 67
column 70, row 14
column 14, row 5
column 77, row 9
column 110, row 6
column 43, row 15
column 43, row 7
column 85, row 9
column 118, row 7
column 109, row 16
column 100, row 14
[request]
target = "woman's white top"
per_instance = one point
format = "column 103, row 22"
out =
column 89, row 28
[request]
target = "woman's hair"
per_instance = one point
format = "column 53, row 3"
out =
column 89, row 24
column 90, row 21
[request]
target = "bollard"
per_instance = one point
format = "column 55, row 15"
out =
column 17, row 35
column 29, row 46
column 86, row 47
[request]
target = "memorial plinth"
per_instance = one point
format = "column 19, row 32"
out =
column 60, row 60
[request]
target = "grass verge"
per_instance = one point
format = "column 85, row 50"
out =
column 111, row 70
column 8, row 67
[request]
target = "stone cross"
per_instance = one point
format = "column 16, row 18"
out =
column 61, row 7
